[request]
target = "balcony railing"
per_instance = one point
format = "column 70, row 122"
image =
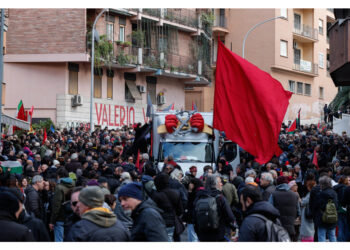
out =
column 307, row 31
column 186, row 17
column 307, row 67
column 152, row 12
column 181, row 64
column 220, row 21
column 125, row 55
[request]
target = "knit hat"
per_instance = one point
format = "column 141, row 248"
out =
column 92, row 196
column 8, row 201
column 133, row 190
column 291, row 184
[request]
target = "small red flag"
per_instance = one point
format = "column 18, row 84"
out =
column 318, row 125
column 137, row 164
column 45, row 136
column 292, row 126
column 172, row 106
column 249, row 105
column 314, row 159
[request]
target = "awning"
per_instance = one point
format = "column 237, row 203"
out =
column 8, row 120
column 133, row 90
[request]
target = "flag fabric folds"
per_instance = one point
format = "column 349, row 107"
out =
column 249, row 105
column 298, row 120
column 45, row 136
column 314, row 159
column 194, row 106
column 170, row 107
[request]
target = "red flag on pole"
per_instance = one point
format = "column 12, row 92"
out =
column 314, row 159
column 292, row 127
column 249, row 105
column 172, row 107
column 137, row 164
column 45, row 136
column 318, row 125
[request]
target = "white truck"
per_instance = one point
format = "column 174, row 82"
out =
column 188, row 146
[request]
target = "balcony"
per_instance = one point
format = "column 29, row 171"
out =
column 186, row 17
column 305, row 34
column 152, row 12
column 306, row 67
column 220, row 26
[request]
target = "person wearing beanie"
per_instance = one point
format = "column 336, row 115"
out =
column 287, row 202
column 10, row 209
column 97, row 223
column 148, row 224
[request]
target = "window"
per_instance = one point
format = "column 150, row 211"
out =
column 97, row 86
column 151, row 88
column 284, row 12
column 283, row 48
column 122, row 33
column 299, row 88
column 297, row 21
column 321, row 92
column 110, row 32
column 291, row 86
column 109, row 87
column 320, row 26
column 131, row 91
column 308, row 89
column 73, row 78
column 321, row 60
column 297, row 56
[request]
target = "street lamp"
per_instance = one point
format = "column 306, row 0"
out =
column 256, row 25
column 1, row 60
column 92, row 66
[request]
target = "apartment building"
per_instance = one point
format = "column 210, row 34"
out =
column 294, row 49
column 140, row 51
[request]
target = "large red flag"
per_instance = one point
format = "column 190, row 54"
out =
column 249, row 105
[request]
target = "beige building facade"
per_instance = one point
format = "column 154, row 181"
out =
column 293, row 49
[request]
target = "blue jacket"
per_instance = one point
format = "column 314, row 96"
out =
column 253, row 228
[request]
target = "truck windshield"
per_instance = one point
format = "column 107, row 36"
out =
column 187, row 151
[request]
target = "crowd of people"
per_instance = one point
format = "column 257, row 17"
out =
column 77, row 186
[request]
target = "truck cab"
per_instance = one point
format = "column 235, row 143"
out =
column 188, row 145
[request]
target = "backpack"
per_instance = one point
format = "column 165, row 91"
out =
column 330, row 215
column 206, row 213
column 275, row 230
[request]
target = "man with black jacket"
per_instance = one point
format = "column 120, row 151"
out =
column 253, row 228
column 169, row 201
column 33, row 201
column 213, row 188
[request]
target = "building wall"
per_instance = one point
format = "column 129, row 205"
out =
column 46, row 31
column 36, row 85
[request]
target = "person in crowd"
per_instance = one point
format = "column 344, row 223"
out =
column 253, row 229
column 213, row 188
column 326, row 195
column 71, row 210
column 34, row 202
column 61, row 195
column 10, row 209
column 169, row 201
column 148, row 224
column 287, row 203
column 266, row 185
column 97, row 223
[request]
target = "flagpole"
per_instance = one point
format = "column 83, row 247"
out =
column 255, row 26
column 1, row 61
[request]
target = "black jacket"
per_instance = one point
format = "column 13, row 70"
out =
column 286, row 201
column 174, row 184
column 35, row 225
column 267, row 191
column 148, row 224
column 253, row 228
column 225, row 214
column 73, row 166
column 345, row 202
column 97, row 226
column 34, row 203
column 13, row 231
column 170, row 202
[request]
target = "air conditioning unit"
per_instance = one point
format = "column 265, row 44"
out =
column 295, row 45
column 141, row 88
column 160, row 99
column 77, row 100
